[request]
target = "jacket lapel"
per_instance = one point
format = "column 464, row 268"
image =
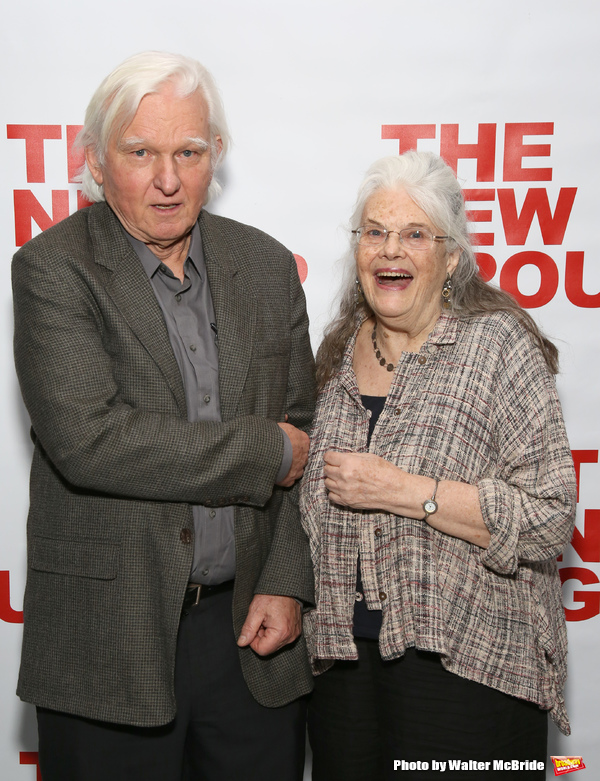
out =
column 235, row 311
column 131, row 291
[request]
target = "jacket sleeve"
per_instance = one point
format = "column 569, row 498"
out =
column 288, row 569
column 98, row 433
column 529, row 505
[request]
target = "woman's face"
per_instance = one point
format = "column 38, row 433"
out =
column 402, row 286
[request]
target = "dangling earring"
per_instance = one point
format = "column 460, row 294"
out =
column 358, row 292
column 447, row 293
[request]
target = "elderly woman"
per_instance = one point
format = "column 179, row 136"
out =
column 439, row 491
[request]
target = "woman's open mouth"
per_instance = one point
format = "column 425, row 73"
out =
column 393, row 279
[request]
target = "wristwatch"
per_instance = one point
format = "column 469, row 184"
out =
column 430, row 505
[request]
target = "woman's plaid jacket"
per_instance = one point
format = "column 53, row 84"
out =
column 477, row 404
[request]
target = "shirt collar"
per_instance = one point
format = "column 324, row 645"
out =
column 151, row 263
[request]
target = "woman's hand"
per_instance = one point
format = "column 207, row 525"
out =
column 362, row 481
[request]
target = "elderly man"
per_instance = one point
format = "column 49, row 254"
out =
column 164, row 359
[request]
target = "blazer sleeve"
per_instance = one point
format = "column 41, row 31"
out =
column 288, row 570
column 101, row 438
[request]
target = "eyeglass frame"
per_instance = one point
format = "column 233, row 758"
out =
column 386, row 232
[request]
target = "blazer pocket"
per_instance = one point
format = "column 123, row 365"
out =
column 86, row 559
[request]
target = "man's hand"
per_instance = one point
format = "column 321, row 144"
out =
column 271, row 623
column 300, row 443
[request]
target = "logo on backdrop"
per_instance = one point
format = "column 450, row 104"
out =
column 519, row 215
column 29, row 210
column 7, row 613
column 587, row 546
column 31, row 758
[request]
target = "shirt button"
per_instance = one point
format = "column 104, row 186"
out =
column 193, row 348
column 205, row 571
column 382, row 596
column 378, row 532
column 212, row 513
column 185, row 536
column 422, row 359
column 206, row 399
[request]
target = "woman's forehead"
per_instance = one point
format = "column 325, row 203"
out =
column 394, row 207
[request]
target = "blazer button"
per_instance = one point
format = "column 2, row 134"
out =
column 382, row 596
column 378, row 532
column 185, row 536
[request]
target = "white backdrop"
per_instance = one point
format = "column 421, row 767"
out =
column 314, row 93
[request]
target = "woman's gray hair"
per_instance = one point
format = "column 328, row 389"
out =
column 115, row 102
column 432, row 185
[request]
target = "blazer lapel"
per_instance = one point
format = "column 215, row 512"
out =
column 130, row 289
column 235, row 311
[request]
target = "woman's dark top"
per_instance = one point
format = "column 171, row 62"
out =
column 367, row 623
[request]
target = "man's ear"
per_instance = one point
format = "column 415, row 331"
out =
column 91, row 158
column 219, row 145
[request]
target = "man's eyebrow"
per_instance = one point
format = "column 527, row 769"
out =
column 134, row 143
column 129, row 143
column 198, row 141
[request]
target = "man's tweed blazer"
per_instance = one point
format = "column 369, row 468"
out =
column 117, row 465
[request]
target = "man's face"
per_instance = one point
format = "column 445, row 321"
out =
column 156, row 174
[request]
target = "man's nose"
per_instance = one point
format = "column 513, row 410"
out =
column 166, row 176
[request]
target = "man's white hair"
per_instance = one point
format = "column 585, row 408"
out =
column 115, row 102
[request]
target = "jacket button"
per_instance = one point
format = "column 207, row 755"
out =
column 382, row 596
column 378, row 532
column 422, row 359
column 185, row 536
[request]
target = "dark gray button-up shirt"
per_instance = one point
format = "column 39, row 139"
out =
column 191, row 324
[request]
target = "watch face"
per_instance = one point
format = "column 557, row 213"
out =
column 430, row 506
